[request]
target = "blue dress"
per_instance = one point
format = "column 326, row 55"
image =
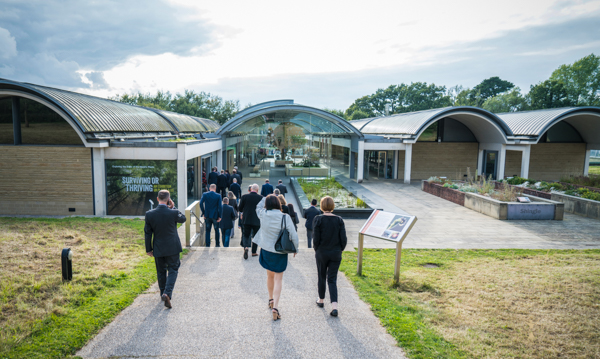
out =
column 275, row 262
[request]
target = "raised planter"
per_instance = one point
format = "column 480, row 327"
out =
column 347, row 213
column 281, row 163
column 292, row 171
column 540, row 209
column 577, row 205
column 529, row 191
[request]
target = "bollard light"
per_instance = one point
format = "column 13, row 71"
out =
column 67, row 264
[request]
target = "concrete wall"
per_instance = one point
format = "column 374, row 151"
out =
column 551, row 161
column 40, row 180
column 449, row 159
column 513, row 163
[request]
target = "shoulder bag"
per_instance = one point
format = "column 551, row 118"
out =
column 284, row 244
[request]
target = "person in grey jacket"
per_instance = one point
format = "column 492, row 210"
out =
column 272, row 220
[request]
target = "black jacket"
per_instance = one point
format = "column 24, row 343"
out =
column 329, row 233
column 248, row 208
column 228, row 217
column 237, row 177
column 236, row 189
column 310, row 213
column 282, row 189
column 212, row 178
column 222, row 181
column 161, row 223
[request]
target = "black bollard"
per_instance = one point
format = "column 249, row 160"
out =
column 67, row 264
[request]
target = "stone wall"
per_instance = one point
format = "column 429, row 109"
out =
column 46, row 180
column 447, row 159
column 551, row 161
column 513, row 163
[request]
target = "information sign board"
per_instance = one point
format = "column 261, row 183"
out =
column 389, row 226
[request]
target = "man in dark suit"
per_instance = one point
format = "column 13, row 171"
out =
column 222, row 184
column 213, row 176
column 310, row 213
column 250, row 219
column 267, row 189
column 227, row 221
column 212, row 211
column 161, row 223
column 239, row 174
column 236, row 189
column 282, row 188
column 237, row 177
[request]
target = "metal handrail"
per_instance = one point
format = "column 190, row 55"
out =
column 194, row 209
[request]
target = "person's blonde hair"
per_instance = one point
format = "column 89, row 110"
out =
column 327, row 204
column 230, row 195
column 282, row 200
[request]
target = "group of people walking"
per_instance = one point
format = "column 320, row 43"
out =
column 264, row 219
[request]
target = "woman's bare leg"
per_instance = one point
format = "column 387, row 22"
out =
column 277, row 288
column 270, row 282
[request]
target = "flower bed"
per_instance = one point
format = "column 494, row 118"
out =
column 569, row 189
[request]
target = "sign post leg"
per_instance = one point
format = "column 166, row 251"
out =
column 398, row 259
column 361, row 239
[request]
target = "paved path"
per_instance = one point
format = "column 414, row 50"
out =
column 220, row 310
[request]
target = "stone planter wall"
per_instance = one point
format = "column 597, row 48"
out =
column 449, row 194
column 577, row 205
column 306, row 171
column 529, row 191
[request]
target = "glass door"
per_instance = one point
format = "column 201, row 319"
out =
column 490, row 162
column 381, row 164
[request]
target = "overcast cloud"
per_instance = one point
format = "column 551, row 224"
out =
column 320, row 53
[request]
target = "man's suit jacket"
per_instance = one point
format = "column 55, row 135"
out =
column 310, row 213
column 228, row 217
column 222, row 181
column 212, row 178
column 237, row 177
column 236, row 189
column 282, row 189
column 248, row 208
column 241, row 176
column 267, row 189
column 161, row 223
column 211, row 205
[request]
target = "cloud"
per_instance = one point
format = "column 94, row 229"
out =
column 524, row 57
column 97, row 80
column 67, row 36
column 8, row 45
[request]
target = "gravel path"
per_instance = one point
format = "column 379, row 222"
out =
column 220, row 310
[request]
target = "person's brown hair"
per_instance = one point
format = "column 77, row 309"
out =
column 327, row 204
column 282, row 200
column 272, row 202
column 163, row 195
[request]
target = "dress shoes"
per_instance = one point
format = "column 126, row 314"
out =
column 165, row 298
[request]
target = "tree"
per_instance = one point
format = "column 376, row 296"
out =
column 581, row 80
column 548, row 94
column 511, row 101
column 338, row 113
column 486, row 89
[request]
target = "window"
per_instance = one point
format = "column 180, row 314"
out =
column 561, row 132
column 6, row 127
column 42, row 126
column 430, row 134
column 447, row 130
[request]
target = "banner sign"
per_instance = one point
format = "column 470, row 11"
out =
column 132, row 184
column 389, row 226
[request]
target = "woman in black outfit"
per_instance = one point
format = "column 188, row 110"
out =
column 329, row 240
column 293, row 215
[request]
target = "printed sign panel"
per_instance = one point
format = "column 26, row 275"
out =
column 530, row 211
column 389, row 226
column 132, row 184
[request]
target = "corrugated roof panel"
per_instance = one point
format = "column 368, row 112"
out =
column 402, row 123
column 211, row 126
column 101, row 115
column 184, row 123
column 532, row 123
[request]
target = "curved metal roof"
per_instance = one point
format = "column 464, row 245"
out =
column 96, row 115
column 308, row 117
column 535, row 123
column 412, row 123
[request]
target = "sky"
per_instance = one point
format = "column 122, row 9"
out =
column 319, row 53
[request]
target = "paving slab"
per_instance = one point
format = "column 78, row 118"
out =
column 220, row 310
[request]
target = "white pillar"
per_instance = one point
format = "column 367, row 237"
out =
column 480, row 162
column 361, row 161
column 407, row 162
column 99, row 182
column 219, row 160
column 501, row 163
column 525, row 161
column 586, row 165
column 181, row 177
column 396, row 157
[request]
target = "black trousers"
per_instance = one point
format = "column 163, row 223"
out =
column 223, row 192
column 248, row 233
column 166, row 273
column 328, row 263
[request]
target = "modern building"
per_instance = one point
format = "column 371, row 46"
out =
column 65, row 153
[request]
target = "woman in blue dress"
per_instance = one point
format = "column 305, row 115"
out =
column 269, row 212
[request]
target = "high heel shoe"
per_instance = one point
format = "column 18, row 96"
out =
column 271, row 303
column 320, row 305
column 276, row 315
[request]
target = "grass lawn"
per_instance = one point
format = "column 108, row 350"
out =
column 485, row 303
column 42, row 317
column 594, row 170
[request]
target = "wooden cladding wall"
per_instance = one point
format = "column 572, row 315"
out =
column 445, row 159
column 46, row 180
column 551, row 161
